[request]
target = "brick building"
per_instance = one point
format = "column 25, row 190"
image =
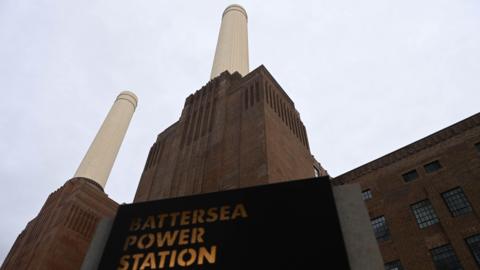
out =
column 234, row 132
column 424, row 202
column 60, row 235
column 238, row 130
column 62, row 229
column 243, row 130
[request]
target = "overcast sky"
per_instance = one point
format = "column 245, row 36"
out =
column 367, row 77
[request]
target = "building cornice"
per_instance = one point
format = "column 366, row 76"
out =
column 411, row 149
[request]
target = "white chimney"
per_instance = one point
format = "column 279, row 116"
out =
column 98, row 162
column 232, row 45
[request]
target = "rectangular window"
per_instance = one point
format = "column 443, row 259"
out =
column 380, row 228
column 410, row 176
column 457, row 202
column 366, row 194
column 477, row 145
column 424, row 214
column 473, row 243
column 432, row 166
column 395, row 265
column 444, row 258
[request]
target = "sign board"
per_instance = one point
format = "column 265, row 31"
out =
column 292, row 225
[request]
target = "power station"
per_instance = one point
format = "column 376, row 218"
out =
column 233, row 181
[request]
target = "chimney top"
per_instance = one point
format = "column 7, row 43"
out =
column 235, row 7
column 129, row 96
column 231, row 53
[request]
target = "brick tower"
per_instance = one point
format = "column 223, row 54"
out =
column 240, row 129
column 63, row 228
column 59, row 236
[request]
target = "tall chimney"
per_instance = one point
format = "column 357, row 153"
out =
column 99, row 159
column 232, row 45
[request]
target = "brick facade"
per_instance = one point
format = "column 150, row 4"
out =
column 392, row 197
column 59, row 236
column 243, row 131
column 233, row 132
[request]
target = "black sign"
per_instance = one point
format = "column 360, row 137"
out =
column 292, row 225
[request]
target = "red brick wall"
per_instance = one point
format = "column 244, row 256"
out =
column 230, row 135
column 59, row 237
column 392, row 196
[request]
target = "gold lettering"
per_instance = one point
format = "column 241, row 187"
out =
column 172, row 258
column 124, row 263
column 198, row 216
column 185, row 218
column 184, row 235
column 212, row 215
column 149, row 223
column 173, row 217
column 225, row 213
column 131, row 239
column 210, row 256
column 163, row 256
column 161, row 220
column 136, row 224
column 136, row 258
column 197, row 235
column 239, row 211
column 192, row 256
column 167, row 236
column 149, row 262
column 141, row 243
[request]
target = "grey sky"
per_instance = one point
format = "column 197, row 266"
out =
column 367, row 77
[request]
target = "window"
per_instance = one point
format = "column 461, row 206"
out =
column 395, row 265
column 457, row 202
column 316, row 172
column 410, row 176
column 380, row 228
column 477, row 145
column 444, row 258
column 366, row 194
column 432, row 166
column 473, row 243
column 424, row 214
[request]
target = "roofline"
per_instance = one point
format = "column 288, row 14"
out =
column 411, row 149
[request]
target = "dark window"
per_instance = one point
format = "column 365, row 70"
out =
column 367, row 194
column 432, row 166
column 395, row 265
column 410, row 176
column 380, row 228
column 477, row 145
column 424, row 214
column 473, row 243
column 457, row 202
column 444, row 258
